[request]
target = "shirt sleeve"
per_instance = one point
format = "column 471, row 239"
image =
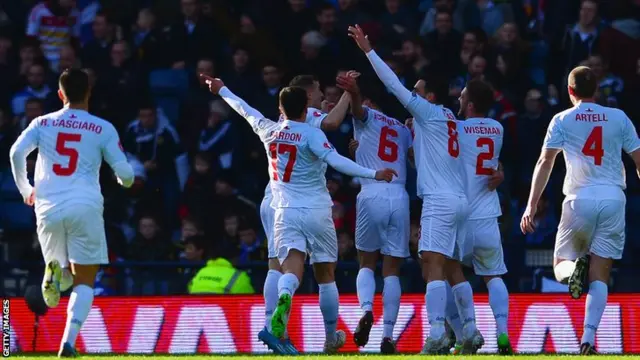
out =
column 389, row 78
column 315, row 119
column 555, row 137
column 630, row 140
column 259, row 124
column 113, row 154
column 24, row 145
column 321, row 147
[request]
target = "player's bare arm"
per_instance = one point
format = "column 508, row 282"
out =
column 540, row 179
column 497, row 177
column 349, row 84
column 353, row 147
column 336, row 116
column 635, row 156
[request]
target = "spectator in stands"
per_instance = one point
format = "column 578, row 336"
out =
column 218, row 138
column 610, row 86
column 33, row 108
column 190, row 228
column 267, row 98
column 315, row 59
column 122, row 85
column 8, row 135
column 258, row 42
column 55, row 24
column 220, row 277
column 532, row 127
column 199, row 191
column 36, row 87
column 349, row 13
column 510, row 53
column 193, row 36
column 250, row 247
column 8, row 70
column 443, row 44
column 152, row 47
column 476, row 69
column 346, row 246
column 96, row 52
column 196, row 248
column 473, row 42
column 491, row 16
column 150, row 243
column 241, row 77
column 413, row 55
column 396, row 22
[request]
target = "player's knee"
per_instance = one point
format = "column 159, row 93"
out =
column 391, row 266
column 324, row 272
column 85, row 274
column 367, row 259
column 599, row 268
column 489, row 278
column 433, row 264
column 274, row 264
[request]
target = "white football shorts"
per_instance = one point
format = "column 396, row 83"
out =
column 74, row 234
column 308, row 230
column 383, row 221
column 443, row 224
column 590, row 225
column 267, row 216
column 482, row 248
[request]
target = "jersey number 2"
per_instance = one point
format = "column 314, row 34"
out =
column 484, row 156
column 64, row 150
column 387, row 135
column 593, row 146
column 279, row 148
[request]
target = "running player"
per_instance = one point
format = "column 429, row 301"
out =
column 318, row 119
column 303, row 221
column 442, row 188
column 382, row 224
column 481, row 142
column 68, row 203
column 591, row 233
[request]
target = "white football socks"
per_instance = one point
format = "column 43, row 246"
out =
column 596, row 303
column 77, row 312
column 499, row 302
column 452, row 314
column 436, row 300
column 366, row 287
column 329, row 306
column 288, row 284
column 391, row 304
column 270, row 293
column 463, row 294
column 563, row 270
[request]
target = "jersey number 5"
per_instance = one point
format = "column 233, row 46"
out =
column 484, row 156
column 279, row 148
column 593, row 146
column 71, row 153
column 387, row 135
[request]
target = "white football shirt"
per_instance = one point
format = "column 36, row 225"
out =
column 71, row 144
column 437, row 148
column 384, row 143
column 480, row 143
column 592, row 138
column 314, row 119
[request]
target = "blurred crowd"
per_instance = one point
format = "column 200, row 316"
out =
column 200, row 170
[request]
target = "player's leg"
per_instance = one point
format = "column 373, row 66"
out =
column 323, row 243
column 53, row 243
column 575, row 232
column 488, row 262
column 394, row 249
column 437, row 240
column 291, row 247
column 370, row 217
column 608, row 244
column 87, row 250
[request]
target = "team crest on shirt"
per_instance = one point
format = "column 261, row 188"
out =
column 589, row 110
column 328, row 146
column 73, row 116
column 120, row 146
column 317, row 114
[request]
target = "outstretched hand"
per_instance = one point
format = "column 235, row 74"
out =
column 215, row 84
column 386, row 175
column 362, row 40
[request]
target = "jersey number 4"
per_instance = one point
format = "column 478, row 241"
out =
column 593, row 146
column 63, row 149
column 278, row 148
column 388, row 149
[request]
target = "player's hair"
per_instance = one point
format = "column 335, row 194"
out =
column 480, row 94
column 293, row 100
column 583, row 82
column 75, row 85
column 303, row 81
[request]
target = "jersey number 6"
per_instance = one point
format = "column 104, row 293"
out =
column 387, row 135
column 279, row 148
column 71, row 153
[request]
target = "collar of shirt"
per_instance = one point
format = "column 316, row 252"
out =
column 220, row 262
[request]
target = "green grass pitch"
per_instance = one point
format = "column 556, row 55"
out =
column 346, row 356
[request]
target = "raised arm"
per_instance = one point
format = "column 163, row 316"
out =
column 349, row 84
column 24, row 145
column 336, row 116
column 384, row 72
